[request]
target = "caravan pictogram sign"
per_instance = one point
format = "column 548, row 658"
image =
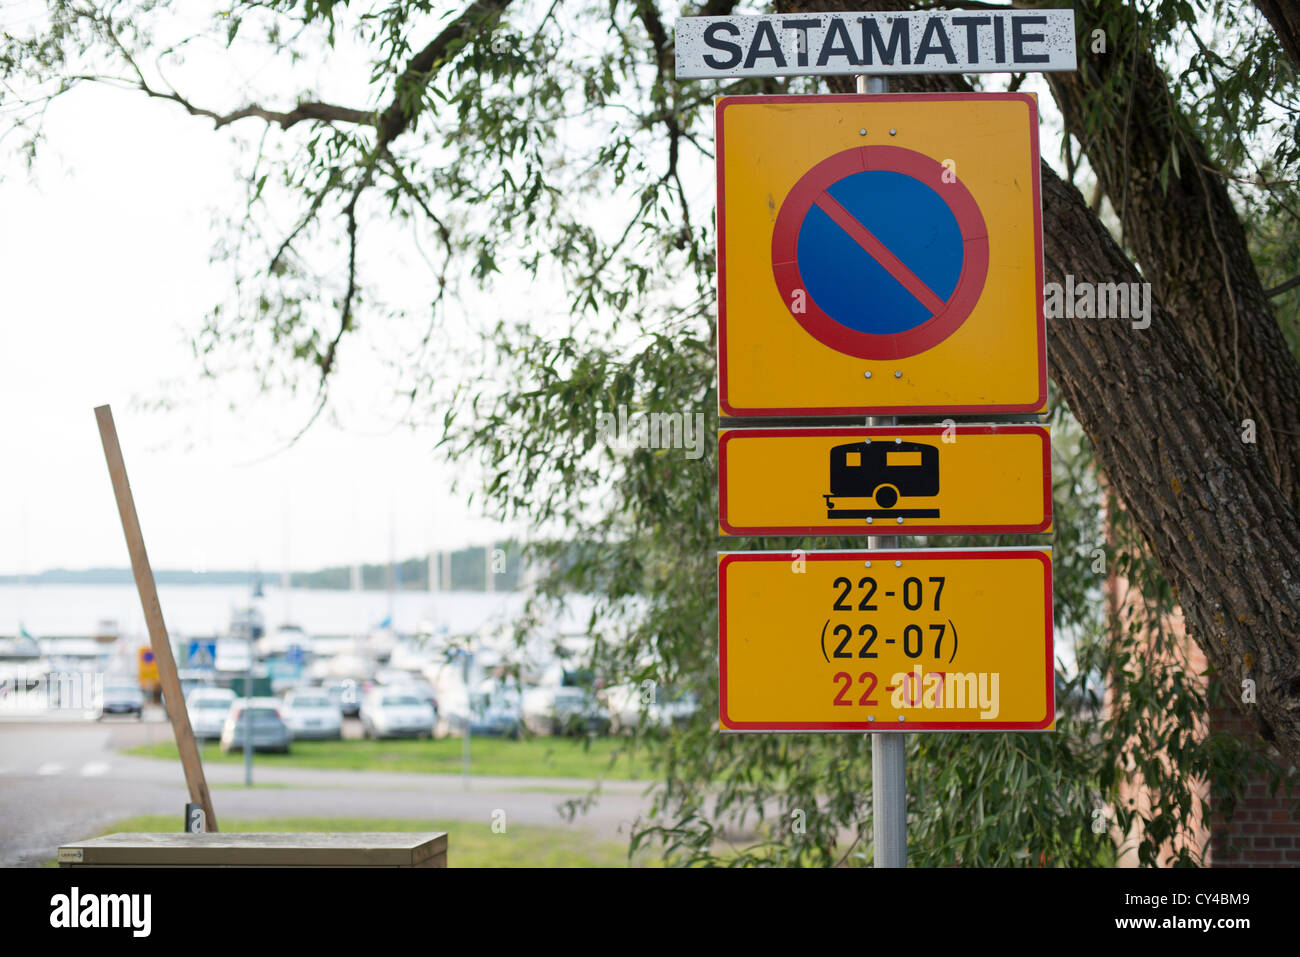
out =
column 920, row 480
column 880, row 254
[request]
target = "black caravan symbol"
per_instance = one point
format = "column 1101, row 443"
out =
column 866, row 474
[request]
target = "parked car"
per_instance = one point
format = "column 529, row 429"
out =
column 208, row 709
column 386, row 713
column 269, row 731
column 493, row 709
column 418, row 687
column 347, row 695
column 635, row 705
column 563, row 710
column 122, row 697
column 191, row 680
column 312, row 713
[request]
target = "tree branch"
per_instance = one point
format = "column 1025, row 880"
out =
column 307, row 110
column 397, row 117
column 1285, row 287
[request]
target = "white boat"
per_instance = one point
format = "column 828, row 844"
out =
column 284, row 638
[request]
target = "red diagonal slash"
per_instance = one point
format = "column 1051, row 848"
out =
column 879, row 252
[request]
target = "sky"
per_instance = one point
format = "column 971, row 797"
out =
column 104, row 263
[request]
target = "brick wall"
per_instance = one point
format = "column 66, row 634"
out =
column 1264, row 830
column 1133, row 792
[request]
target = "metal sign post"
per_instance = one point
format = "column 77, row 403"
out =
column 466, row 744
column 888, row 751
column 248, row 719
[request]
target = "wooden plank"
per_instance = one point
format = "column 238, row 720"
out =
column 370, row 849
column 162, row 649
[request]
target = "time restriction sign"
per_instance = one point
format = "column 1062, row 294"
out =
column 904, row 640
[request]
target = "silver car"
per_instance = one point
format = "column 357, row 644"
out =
column 393, row 714
column 312, row 713
column 270, row 733
column 208, row 709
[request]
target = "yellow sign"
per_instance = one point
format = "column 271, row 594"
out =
column 879, row 254
column 147, row 668
column 931, row 480
column 902, row 640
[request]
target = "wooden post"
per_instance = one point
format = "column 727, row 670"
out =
column 162, row 649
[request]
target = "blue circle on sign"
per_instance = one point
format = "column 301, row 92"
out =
column 911, row 221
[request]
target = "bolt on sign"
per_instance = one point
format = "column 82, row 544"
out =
column 880, row 254
column 901, row 640
column 937, row 41
column 927, row 480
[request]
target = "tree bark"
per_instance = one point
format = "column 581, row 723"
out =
column 1185, row 235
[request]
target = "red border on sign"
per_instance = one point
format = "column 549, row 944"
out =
column 723, row 401
column 997, row 554
column 895, row 159
column 861, row 527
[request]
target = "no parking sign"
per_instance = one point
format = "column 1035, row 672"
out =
column 880, row 254
column 878, row 257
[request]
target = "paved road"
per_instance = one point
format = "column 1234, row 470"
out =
column 61, row 781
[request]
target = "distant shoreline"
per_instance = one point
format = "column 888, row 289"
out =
column 122, row 576
column 465, row 569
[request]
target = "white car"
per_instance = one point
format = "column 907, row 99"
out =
column 312, row 713
column 388, row 713
column 208, row 708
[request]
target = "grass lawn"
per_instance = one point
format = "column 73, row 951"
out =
column 469, row 843
column 614, row 758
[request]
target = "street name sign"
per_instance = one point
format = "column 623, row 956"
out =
column 927, row 480
column 897, row 640
column 879, row 254
column 933, row 41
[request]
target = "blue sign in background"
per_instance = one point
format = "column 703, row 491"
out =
column 203, row 654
